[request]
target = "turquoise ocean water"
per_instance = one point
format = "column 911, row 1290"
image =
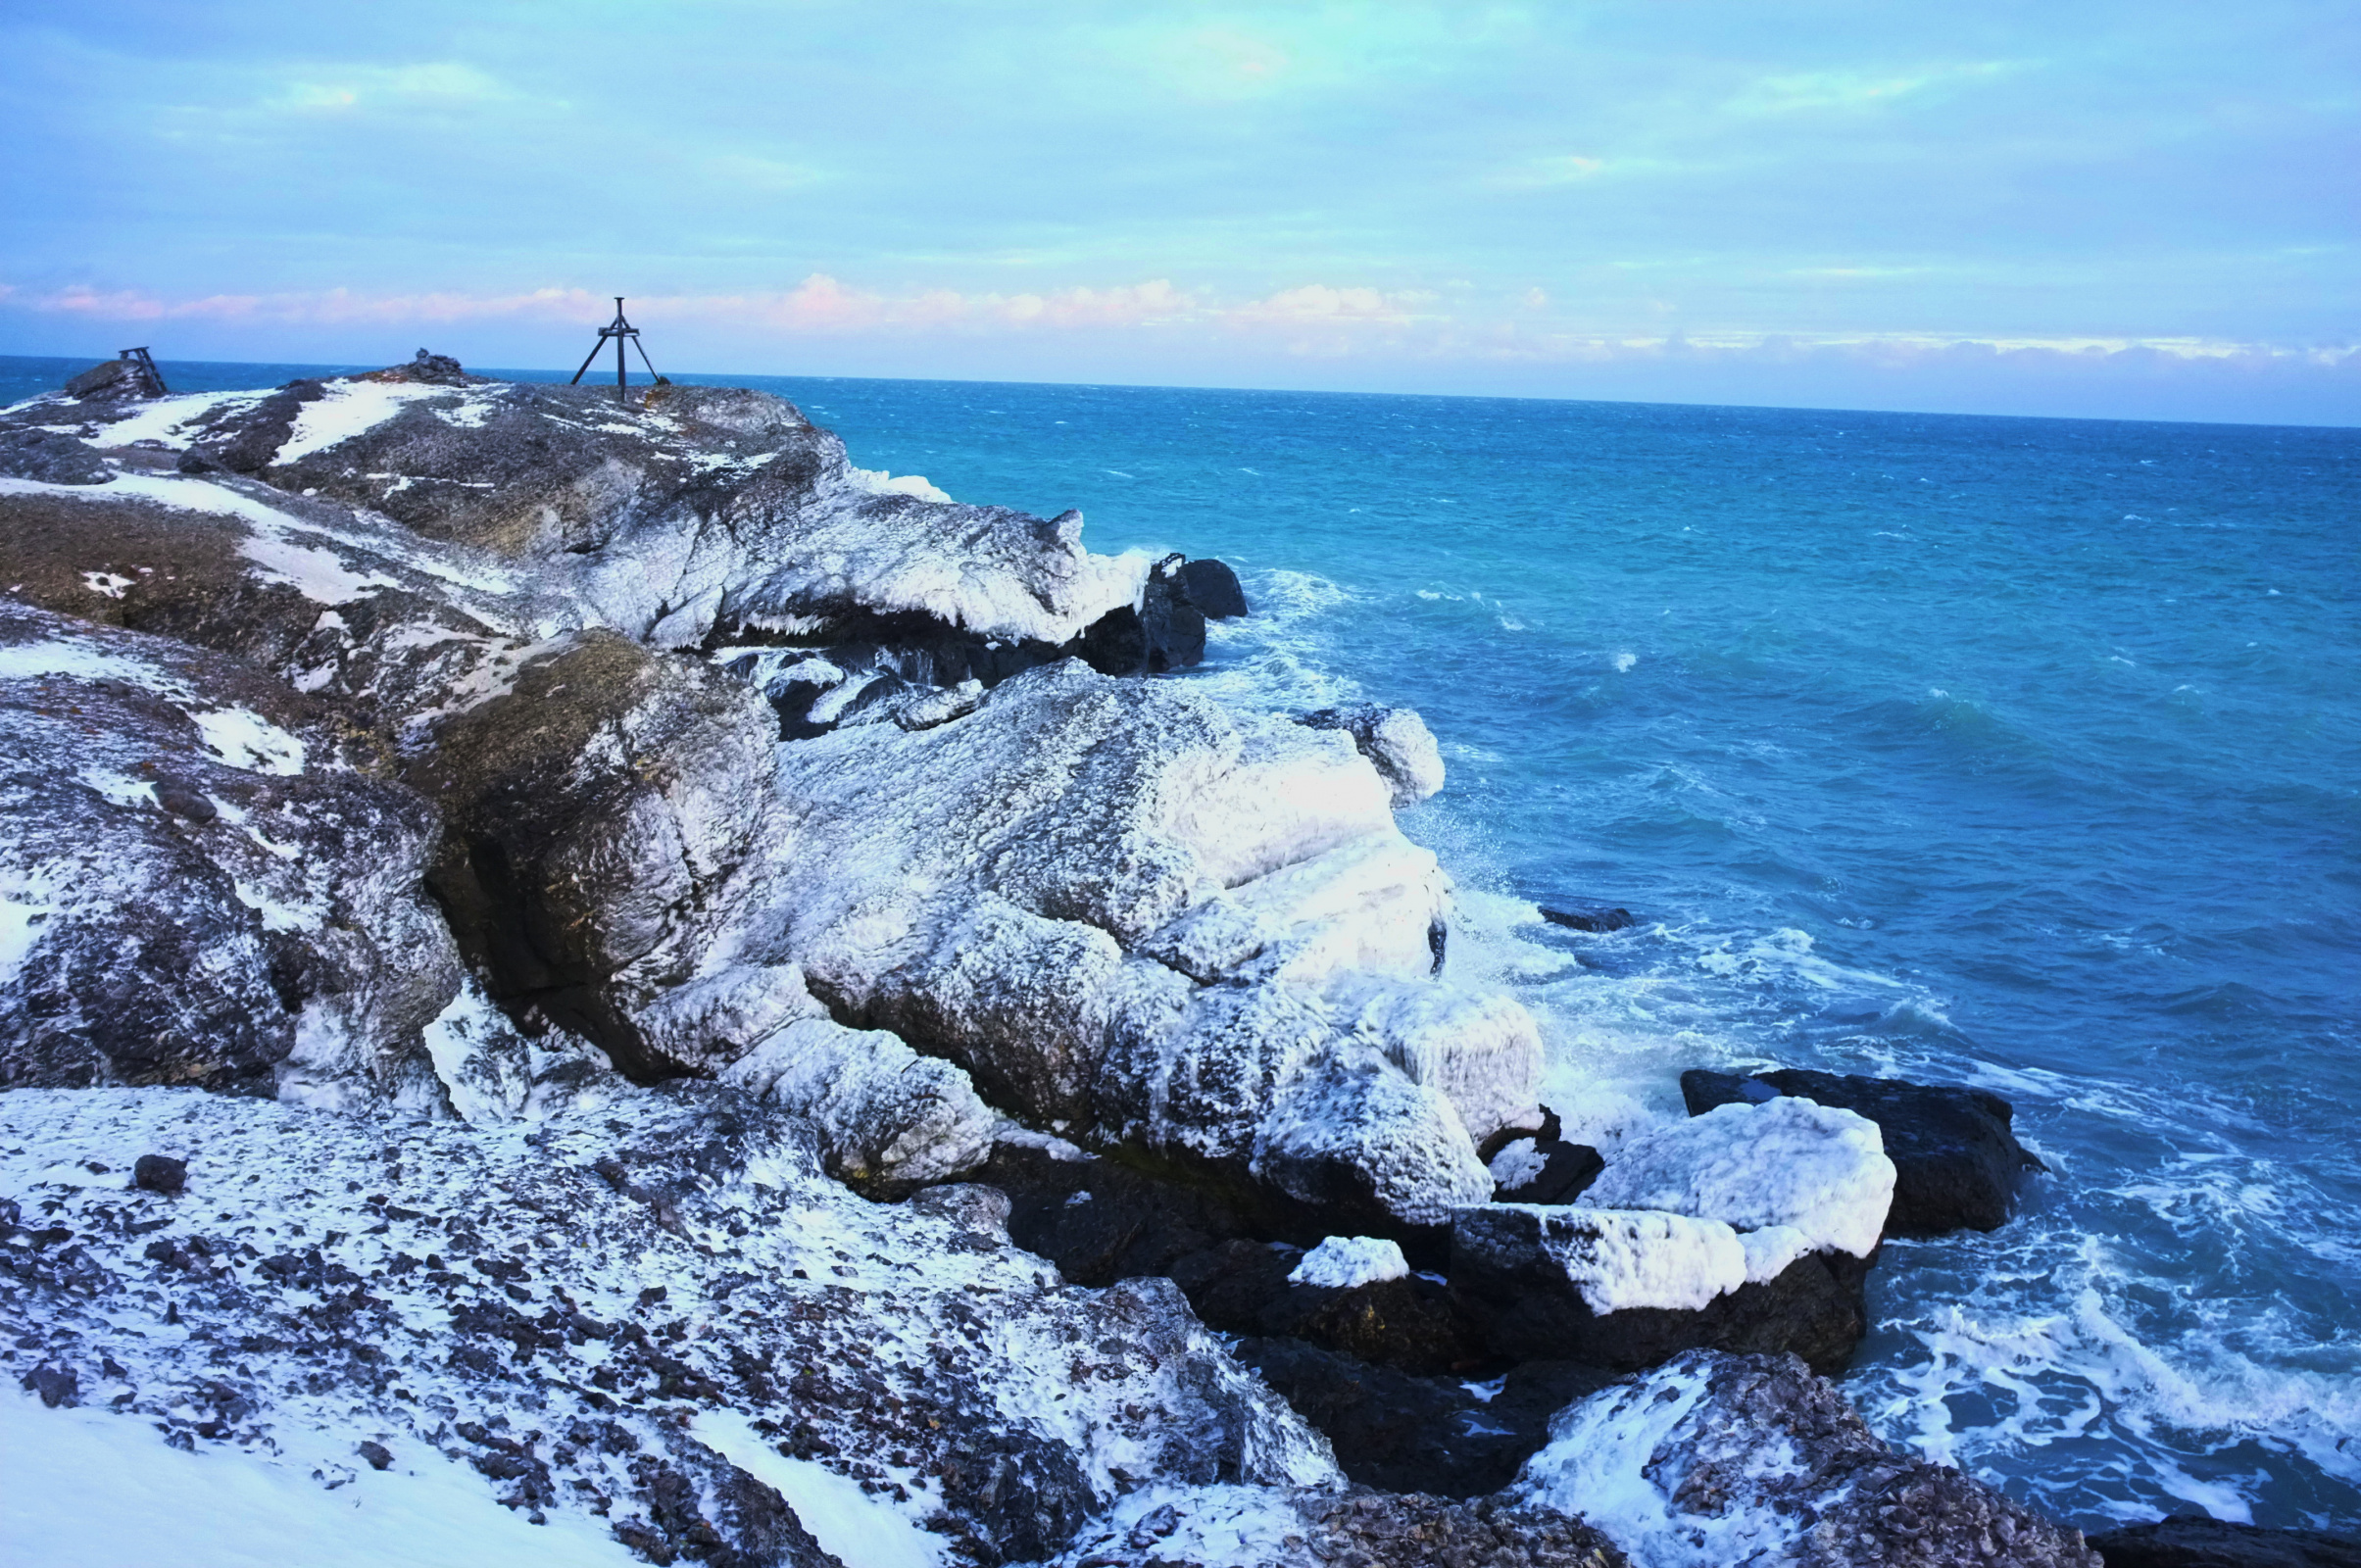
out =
column 2020, row 753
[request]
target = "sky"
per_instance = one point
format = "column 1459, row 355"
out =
column 2077, row 207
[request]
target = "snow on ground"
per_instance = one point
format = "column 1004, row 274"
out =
column 657, row 1285
column 247, row 740
column 350, row 409
column 87, row 1488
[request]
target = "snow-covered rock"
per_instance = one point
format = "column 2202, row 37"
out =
column 1714, row 1459
column 1132, row 914
column 205, row 879
column 1396, row 740
column 657, row 1320
column 1342, row 1262
column 1786, row 1164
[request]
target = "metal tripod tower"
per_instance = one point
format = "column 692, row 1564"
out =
column 618, row 329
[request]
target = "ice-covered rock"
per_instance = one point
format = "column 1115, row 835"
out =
column 204, row 879
column 1396, row 740
column 1714, row 1459
column 1956, row 1164
column 656, row 1319
column 1131, row 913
column 600, row 817
column 1814, row 1171
column 1343, row 1261
column 1627, row 1288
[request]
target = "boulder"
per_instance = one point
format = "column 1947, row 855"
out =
column 1539, row 1167
column 1957, row 1163
column 1715, row 1458
column 1212, row 588
column 1402, row 1321
column 1626, row 1289
column 1594, row 920
column 116, row 380
column 2197, row 1541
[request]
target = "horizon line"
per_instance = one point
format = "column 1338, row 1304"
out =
column 727, row 378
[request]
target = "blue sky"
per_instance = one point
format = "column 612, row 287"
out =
column 2143, row 210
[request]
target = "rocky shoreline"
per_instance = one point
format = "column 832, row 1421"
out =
column 719, row 991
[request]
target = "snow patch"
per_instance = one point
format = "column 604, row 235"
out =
column 856, row 1525
column 350, row 409
column 88, row 1488
column 249, row 741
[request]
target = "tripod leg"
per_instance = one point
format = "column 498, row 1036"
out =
column 593, row 354
column 643, row 359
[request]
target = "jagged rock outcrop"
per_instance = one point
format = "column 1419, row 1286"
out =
column 421, row 746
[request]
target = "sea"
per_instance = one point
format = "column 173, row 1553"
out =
column 2017, row 753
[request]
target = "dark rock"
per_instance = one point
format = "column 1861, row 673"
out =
column 161, row 1173
column 378, row 1454
column 181, row 801
column 56, row 1385
column 1589, row 919
column 1519, row 1294
column 1174, row 628
column 1212, row 588
column 1099, row 1221
column 1410, row 1324
column 1956, row 1164
column 436, row 369
column 29, row 452
column 1566, row 1169
column 2192, row 1542
column 1373, row 1529
column 116, row 380
column 577, row 869
column 1443, row 1435
column 1026, row 1496
column 1167, row 632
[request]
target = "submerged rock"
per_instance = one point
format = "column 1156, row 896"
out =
column 1956, row 1162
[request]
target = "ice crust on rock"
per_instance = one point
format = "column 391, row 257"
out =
column 1713, row 1460
column 1343, row 1261
column 1618, row 1259
column 1123, row 908
column 1786, row 1163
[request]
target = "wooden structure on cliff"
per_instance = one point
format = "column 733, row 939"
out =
column 618, row 329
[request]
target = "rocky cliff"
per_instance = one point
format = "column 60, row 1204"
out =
column 729, row 993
